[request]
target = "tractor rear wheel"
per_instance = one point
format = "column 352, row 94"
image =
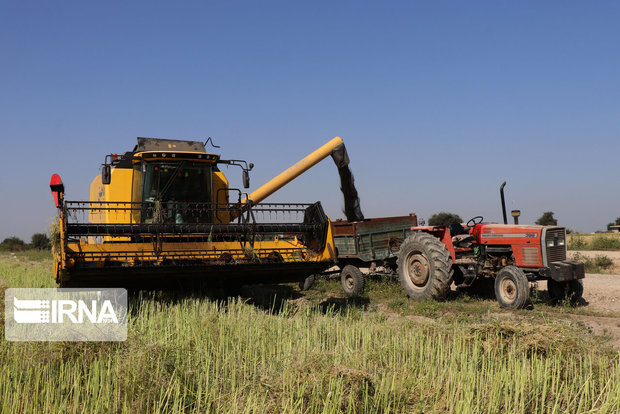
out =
column 559, row 291
column 352, row 281
column 424, row 267
column 512, row 289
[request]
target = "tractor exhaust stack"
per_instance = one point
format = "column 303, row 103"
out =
column 501, row 192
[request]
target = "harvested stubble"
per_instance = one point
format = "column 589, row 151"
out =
column 193, row 354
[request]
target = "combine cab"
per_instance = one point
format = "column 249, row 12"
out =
column 164, row 213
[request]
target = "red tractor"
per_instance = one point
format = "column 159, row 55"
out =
column 513, row 255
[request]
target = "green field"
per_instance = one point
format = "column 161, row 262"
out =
column 591, row 241
column 274, row 349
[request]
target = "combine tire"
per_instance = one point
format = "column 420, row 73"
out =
column 424, row 267
column 307, row 283
column 512, row 289
column 352, row 281
column 559, row 291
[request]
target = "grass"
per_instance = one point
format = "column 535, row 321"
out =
column 312, row 353
column 609, row 241
column 28, row 269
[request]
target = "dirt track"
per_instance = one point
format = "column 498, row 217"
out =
column 602, row 292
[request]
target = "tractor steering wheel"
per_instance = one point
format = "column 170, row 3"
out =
column 474, row 221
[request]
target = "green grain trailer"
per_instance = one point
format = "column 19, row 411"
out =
column 370, row 243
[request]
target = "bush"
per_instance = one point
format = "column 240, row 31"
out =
column 40, row 241
column 547, row 219
column 12, row 244
column 605, row 243
column 603, row 262
column 576, row 243
column 444, row 219
column 593, row 265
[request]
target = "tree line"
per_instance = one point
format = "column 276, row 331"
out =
column 38, row 241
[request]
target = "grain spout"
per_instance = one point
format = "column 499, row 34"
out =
column 352, row 209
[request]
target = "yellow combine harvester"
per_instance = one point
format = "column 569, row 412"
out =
column 164, row 213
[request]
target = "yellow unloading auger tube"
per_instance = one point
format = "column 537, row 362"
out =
column 338, row 151
column 293, row 172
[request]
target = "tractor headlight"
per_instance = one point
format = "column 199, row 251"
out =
column 561, row 242
column 550, row 243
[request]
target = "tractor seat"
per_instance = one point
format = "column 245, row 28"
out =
column 457, row 228
column 462, row 240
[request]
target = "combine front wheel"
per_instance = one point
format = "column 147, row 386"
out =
column 424, row 267
column 512, row 288
column 307, row 283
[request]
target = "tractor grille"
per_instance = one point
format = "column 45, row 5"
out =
column 555, row 253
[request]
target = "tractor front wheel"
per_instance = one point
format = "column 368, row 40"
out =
column 558, row 291
column 424, row 267
column 512, row 289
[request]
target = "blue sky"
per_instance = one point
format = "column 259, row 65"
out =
column 438, row 102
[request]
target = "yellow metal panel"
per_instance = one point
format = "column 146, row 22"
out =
column 220, row 196
column 119, row 191
column 120, row 187
column 136, row 195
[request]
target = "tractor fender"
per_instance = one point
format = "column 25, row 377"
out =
column 442, row 233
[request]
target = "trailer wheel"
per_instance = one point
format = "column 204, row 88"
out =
column 424, row 267
column 512, row 289
column 307, row 283
column 352, row 281
column 558, row 291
